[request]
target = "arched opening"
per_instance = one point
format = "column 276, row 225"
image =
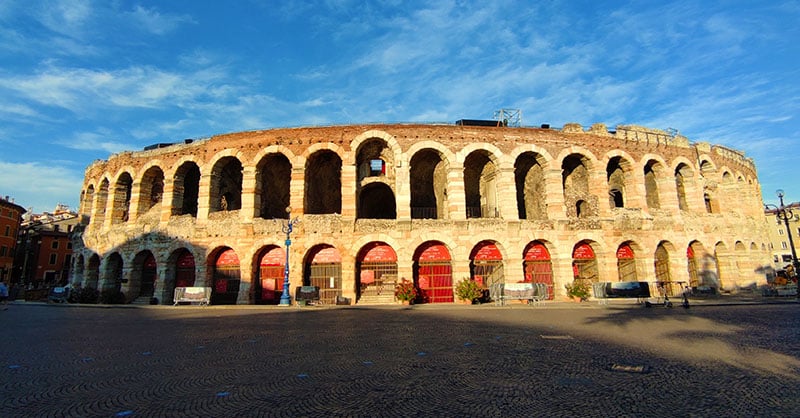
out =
column 433, row 273
column 575, row 183
column 480, row 186
column 584, row 263
column 652, row 172
column 374, row 158
column 226, row 185
column 323, row 269
column 428, row 172
column 184, row 266
column 615, row 175
column 626, row 263
column 102, row 201
column 376, row 271
column 682, row 175
column 186, row 189
column 226, row 278
column 92, row 276
column 662, row 270
column 486, row 266
column 151, row 190
column 538, row 266
column 120, row 209
column 273, row 177
column 270, row 275
column 323, row 183
column 112, row 282
column 144, row 275
column 531, row 187
column 376, row 201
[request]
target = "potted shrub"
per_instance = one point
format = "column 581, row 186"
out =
column 468, row 290
column 578, row 290
column 405, row 292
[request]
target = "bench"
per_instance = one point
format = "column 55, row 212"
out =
column 305, row 295
column 603, row 291
column 533, row 293
column 199, row 295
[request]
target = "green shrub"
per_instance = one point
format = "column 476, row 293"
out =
column 578, row 289
column 468, row 289
column 84, row 295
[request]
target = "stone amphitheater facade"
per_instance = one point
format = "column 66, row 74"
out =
column 430, row 203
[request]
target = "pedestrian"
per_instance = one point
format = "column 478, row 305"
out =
column 3, row 294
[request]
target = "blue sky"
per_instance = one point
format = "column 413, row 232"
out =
column 80, row 80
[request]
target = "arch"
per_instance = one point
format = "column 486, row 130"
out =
column 323, row 183
column 376, row 272
column 272, row 191
column 654, row 170
column 92, row 275
column 584, row 263
column 322, row 267
column 87, row 200
column 269, row 275
column 481, row 176
column 626, row 262
column 531, row 187
column 143, row 275
column 376, row 201
column 151, row 190
column 661, row 266
column 120, row 208
column 433, row 272
column 618, row 176
column 683, row 175
column 538, row 266
column 180, row 271
column 226, row 276
column 186, row 189
column 388, row 139
column 226, row 185
column 428, row 181
column 575, row 176
column 112, row 277
column 486, row 264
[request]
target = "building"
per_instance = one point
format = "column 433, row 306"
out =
column 44, row 255
column 779, row 244
column 430, row 203
column 10, row 220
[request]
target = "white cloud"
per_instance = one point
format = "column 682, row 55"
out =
column 40, row 185
column 157, row 23
column 93, row 141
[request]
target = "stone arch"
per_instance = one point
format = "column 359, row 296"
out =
column 683, row 177
column 529, row 177
column 537, row 264
column 481, row 178
column 186, row 189
column 226, row 275
column 389, row 140
column 225, row 193
column 113, row 266
column 121, row 199
column 322, row 267
column 323, row 183
column 575, row 176
column 433, row 272
column 151, row 189
column 429, row 184
column 269, row 273
column 627, row 261
column 376, row 272
column 662, row 265
column 272, row 191
column 87, row 200
column 376, row 201
column 91, row 276
column 144, row 273
column 619, row 176
column 654, row 173
column 584, row 262
column 486, row 263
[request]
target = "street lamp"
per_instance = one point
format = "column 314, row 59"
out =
column 287, row 228
column 784, row 214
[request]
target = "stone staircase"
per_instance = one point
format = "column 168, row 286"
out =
column 382, row 299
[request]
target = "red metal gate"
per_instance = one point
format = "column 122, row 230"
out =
column 270, row 275
column 377, row 270
column 325, row 271
column 434, row 274
column 538, row 267
column 184, row 273
column 626, row 264
column 227, row 277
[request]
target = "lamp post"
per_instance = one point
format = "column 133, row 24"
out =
column 784, row 214
column 287, row 228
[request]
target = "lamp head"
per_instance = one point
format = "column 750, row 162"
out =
column 779, row 193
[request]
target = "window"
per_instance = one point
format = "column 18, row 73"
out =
column 3, row 251
column 54, row 245
column 8, row 231
column 56, row 228
column 783, row 245
column 68, row 260
column 53, row 258
column 780, row 231
column 69, row 245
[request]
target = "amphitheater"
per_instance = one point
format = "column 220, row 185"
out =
column 430, row 203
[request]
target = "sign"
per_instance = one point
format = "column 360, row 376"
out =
column 228, row 258
column 274, row 257
column 583, row 251
column 625, row 252
column 537, row 251
column 186, row 260
column 488, row 251
column 434, row 252
column 329, row 255
column 380, row 252
column 689, row 252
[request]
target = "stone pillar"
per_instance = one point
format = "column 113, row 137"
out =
column 297, row 190
column 133, row 205
column 167, row 200
column 456, row 205
column 598, row 187
column 248, row 211
column 349, row 198
column 507, row 194
column 554, row 194
column 203, row 197
column 403, row 191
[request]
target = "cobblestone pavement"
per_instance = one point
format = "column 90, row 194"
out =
column 454, row 361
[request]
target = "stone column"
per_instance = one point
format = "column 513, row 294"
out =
column 554, row 194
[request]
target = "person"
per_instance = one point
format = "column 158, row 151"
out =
column 3, row 294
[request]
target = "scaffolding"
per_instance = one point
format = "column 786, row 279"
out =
column 509, row 117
